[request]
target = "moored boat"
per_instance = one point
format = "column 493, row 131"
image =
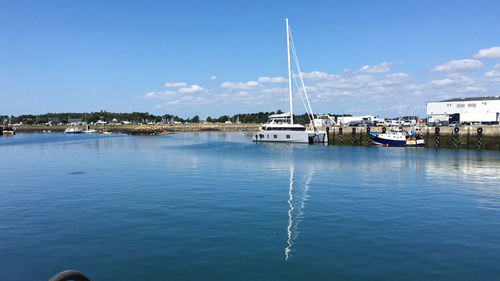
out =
column 89, row 130
column 73, row 130
column 280, row 127
column 397, row 137
column 8, row 130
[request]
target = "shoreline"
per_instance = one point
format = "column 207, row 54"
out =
column 133, row 129
column 466, row 137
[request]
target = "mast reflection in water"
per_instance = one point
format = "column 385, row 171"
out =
column 295, row 214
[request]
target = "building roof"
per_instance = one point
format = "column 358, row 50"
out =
column 473, row 99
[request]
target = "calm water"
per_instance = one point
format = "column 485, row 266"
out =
column 214, row 206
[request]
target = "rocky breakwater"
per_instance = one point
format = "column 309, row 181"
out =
column 149, row 130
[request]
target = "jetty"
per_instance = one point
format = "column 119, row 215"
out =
column 468, row 137
column 155, row 130
column 145, row 130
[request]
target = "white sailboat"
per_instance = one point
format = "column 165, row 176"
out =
column 280, row 127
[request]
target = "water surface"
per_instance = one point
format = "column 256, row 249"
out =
column 214, row 206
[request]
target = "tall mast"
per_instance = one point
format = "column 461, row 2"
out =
column 289, row 70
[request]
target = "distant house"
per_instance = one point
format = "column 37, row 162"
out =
column 52, row 121
column 101, row 122
column 75, row 121
column 115, row 122
column 27, row 121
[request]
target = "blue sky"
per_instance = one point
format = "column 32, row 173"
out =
column 226, row 57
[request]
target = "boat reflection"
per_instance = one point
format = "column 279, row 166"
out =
column 296, row 209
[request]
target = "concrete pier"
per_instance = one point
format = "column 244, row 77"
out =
column 469, row 137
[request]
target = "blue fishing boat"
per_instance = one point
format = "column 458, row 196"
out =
column 397, row 137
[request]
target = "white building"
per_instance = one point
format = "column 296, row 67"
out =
column 474, row 109
column 324, row 121
column 345, row 120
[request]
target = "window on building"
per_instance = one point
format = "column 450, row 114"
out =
column 460, row 105
column 448, row 104
column 484, row 103
column 471, row 105
column 287, row 136
column 275, row 136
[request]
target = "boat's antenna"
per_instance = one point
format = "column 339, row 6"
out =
column 289, row 70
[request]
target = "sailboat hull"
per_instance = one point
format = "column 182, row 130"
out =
column 281, row 136
column 290, row 136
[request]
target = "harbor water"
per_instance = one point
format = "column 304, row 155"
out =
column 215, row 206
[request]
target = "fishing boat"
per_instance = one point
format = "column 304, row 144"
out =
column 105, row 132
column 398, row 137
column 280, row 127
column 8, row 130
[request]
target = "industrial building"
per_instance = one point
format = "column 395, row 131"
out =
column 465, row 110
column 345, row 120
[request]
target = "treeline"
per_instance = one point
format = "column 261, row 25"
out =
column 145, row 117
column 134, row 117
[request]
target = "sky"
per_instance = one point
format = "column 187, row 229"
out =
column 212, row 58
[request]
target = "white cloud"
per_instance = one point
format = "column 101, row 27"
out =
column 274, row 91
column 341, row 93
column 190, row 100
column 175, row 84
column 266, row 79
column 374, row 69
column 166, row 94
column 240, row 85
column 318, row 75
column 242, row 94
column 491, row 53
column 472, row 89
column 347, row 82
column 159, row 95
column 191, row 89
column 459, row 66
column 213, row 77
column 445, row 82
column 390, row 79
column 495, row 73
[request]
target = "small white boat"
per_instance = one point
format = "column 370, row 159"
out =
column 89, row 130
column 73, row 130
column 280, row 127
